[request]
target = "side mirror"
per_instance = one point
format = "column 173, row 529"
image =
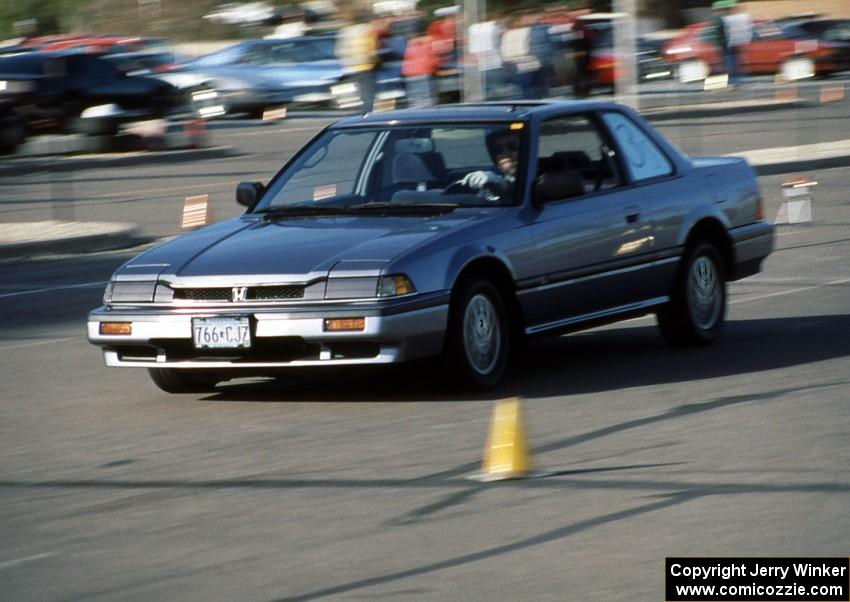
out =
column 557, row 186
column 247, row 193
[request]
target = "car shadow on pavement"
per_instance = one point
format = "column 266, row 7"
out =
column 603, row 360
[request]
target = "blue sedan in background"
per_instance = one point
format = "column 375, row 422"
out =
column 458, row 230
column 255, row 75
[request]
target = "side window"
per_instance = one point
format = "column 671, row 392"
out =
column 89, row 68
column 258, row 54
column 284, row 53
column 573, row 144
column 642, row 157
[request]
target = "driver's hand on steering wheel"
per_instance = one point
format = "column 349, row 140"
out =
column 481, row 179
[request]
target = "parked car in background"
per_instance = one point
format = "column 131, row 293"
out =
column 92, row 43
column 604, row 60
column 147, row 62
column 456, row 230
column 49, row 92
column 695, row 54
column 198, row 98
column 826, row 30
column 834, row 33
column 254, row 75
column 650, row 58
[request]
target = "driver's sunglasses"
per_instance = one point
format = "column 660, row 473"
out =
column 508, row 145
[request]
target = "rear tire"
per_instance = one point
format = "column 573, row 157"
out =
column 478, row 341
column 172, row 380
column 694, row 316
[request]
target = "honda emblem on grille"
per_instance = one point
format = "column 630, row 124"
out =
column 239, row 294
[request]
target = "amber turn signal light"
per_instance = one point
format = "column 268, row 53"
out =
column 116, row 328
column 344, row 324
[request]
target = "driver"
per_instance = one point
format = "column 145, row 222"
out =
column 503, row 146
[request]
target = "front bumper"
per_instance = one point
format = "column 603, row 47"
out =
column 281, row 336
column 255, row 99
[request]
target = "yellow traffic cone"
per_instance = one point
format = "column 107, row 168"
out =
column 506, row 455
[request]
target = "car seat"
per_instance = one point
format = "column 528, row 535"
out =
column 409, row 172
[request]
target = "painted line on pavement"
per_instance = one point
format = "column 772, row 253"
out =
column 37, row 343
column 52, row 288
column 747, row 299
column 19, row 561
column 792, row 291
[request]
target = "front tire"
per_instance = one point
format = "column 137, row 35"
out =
column 478, row 337
column 172, row 380
column 797, row 68
column 695, row 314
column 692, row 70
column 13, row 132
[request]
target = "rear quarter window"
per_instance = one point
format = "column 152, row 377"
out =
column 643, row 158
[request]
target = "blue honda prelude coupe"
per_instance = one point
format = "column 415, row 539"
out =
column 457, row 231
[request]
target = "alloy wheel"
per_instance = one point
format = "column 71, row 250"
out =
column 482, row 335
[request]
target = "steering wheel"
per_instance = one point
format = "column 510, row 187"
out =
column 457, row 187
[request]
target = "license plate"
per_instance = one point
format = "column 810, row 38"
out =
column 221, row 333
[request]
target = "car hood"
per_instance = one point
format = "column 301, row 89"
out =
column 247, row 249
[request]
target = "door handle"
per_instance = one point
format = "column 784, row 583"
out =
column 632, row 213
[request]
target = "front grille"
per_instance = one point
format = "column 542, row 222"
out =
column 203, row 294
column 271, row 293
column 254, row 293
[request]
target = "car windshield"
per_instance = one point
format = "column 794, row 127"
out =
column 224, row 56
column 433, row 165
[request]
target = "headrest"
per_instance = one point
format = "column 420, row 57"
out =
column 563, row 161
column 414, row 145
column 558, row 185
column 410, row 169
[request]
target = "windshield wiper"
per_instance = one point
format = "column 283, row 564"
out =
column 379, row 208
column 301, row 211
column 385, row 208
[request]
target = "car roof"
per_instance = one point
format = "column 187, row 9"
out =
column 293, row 40
column 501, row 111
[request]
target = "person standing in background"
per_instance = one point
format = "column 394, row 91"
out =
column 719, row 9
column 524, row 67
column 357, row 48
column 484, row 40
column 582, row 47
column 738, row 27
column 420, row 64
column 540, row 46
